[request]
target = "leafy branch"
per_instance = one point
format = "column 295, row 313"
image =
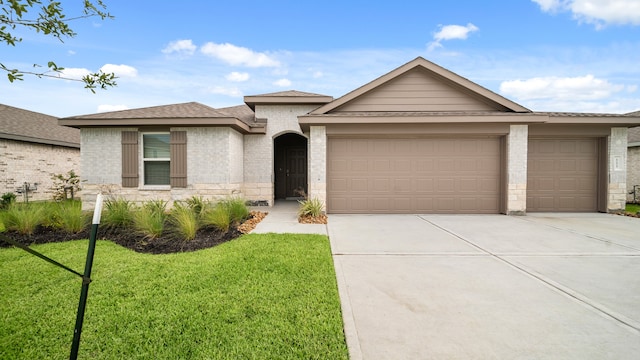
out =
column 51, row 21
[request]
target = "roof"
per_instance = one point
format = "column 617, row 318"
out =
column 287, row 97
column 240, row 118
column 24, row 125
column 437, row 71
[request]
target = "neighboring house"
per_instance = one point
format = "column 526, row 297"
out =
column 33, row 148
column 633, row 162
column 419, row 139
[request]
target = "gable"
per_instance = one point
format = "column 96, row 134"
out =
column 418, row 90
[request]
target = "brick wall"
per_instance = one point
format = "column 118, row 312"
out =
column 633, row 171
column 214, row 166
column 258, row 149
column 22, row 162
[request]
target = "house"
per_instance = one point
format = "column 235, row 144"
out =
column 33, row 148
column 633, row 163
column 419, row 139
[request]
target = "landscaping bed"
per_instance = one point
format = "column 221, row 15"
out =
column 206, row 237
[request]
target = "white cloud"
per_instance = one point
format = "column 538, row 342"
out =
column 597, row 12
column 233, row 92
column 238, row 76
column 120, row 70
column 71, row 52
column 318, row 74
column 183, row 47
column 107, row 107
column 282, row 83
column 451, row 32
column 548, row 5
column 74, row 73
column 581, row 88
column 236, row 55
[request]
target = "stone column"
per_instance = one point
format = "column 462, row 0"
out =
column 617, row 187
column 318, row 163
column 517, row 145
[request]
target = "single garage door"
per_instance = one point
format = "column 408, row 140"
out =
column 414, row 175
column 562, row 175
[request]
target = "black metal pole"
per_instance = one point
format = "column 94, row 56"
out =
column 86, row 279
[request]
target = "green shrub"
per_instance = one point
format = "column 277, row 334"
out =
column 68, row 216
column 7, row 200
column 237, row 209
column 150, row 219
column 217, row 216
column 117, row 213
column 197, row 204
column 310, row 207
column 184, row 221
column 24, row 218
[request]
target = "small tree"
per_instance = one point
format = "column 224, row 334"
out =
column 65, row 183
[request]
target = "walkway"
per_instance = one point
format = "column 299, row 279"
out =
column 283, row 218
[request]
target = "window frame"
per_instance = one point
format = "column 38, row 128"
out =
column 144, row 160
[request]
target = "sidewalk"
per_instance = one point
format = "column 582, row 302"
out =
column 282, row 218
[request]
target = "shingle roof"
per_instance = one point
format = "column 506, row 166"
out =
column 184, row 110
column 25, row 125
column 241, row 117
column 291, row 93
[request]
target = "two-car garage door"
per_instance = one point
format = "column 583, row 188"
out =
column 414, row 175
column 457, row 175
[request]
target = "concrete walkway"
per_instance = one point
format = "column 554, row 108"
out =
column 283, row 218
column 543, row 286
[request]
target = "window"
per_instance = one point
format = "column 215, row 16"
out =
column 156, row 158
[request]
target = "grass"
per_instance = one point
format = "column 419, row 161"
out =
column 68, row 215
column 311, row 207
column 24, row 218
column 262, row 296
column 149, row 220
column 117, row 213
column 185, row 221
column 633, row 208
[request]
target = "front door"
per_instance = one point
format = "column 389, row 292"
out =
column 296, row 171
column 290, row 166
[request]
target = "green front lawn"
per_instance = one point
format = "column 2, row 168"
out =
column 262, row 296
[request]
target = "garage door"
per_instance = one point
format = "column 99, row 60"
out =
column 413, row 175
column 562, row 175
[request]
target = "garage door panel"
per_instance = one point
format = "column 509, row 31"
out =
column 415, row 175
column 562, row 175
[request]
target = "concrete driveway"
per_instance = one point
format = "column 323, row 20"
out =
column 544, row 286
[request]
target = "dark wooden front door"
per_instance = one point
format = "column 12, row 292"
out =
column 296, row 171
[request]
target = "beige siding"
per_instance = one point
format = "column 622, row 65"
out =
column 417, row 90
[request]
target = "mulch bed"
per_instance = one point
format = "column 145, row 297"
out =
column 320, row 219
column 205, row 238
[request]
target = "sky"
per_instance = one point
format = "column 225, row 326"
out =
column 546, row 55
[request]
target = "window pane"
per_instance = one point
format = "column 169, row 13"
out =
column 156, row 173
column 156, row 146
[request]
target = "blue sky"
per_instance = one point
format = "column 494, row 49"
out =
column 547, row 55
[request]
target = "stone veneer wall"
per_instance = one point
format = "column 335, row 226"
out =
column 214, row 166
column 318, row 163
column 633, row 172
column 258, row 149
column 517, row 152
column 22, row 162
column 617, row 194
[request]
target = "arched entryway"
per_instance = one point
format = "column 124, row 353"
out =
column 290, row 166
